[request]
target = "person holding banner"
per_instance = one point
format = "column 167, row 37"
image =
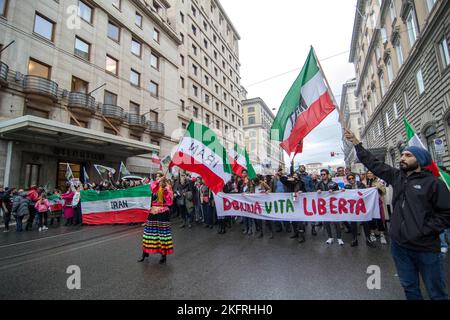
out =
column 326, row 184
column 294, row 184
column 421, row 212
column 157, row 238
column 67, row 207
column 353, row 184
column 262, row 187
column 377, row 225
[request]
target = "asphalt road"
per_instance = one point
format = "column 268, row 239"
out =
column 205, row 266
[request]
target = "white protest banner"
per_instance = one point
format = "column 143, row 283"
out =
column 350, row 205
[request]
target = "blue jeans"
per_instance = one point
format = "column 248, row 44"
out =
column 19, row 224
column 429, row 265
column 444, row 243
column 207, row 217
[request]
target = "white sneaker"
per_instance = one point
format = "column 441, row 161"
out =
column 372, row 237
column 330, row 241
column 444, row 250
column 40, row 229
column 383, row 239
column 340, row 242
column 44, row 228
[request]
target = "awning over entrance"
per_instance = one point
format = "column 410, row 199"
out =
column 52, row 133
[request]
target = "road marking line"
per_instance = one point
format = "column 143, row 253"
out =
column 67, row 251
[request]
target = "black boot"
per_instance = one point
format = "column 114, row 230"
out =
column 295, row 236
column 370, row 244
column 144, row 255
column 354, row 243
column 313, row 231
column 163, row 259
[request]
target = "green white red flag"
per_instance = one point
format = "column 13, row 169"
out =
column 201, row 152
column 116, row 206
column 305, row 106
column 414, row 140
column 240, row 161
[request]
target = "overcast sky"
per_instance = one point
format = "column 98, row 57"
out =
column 275, row 39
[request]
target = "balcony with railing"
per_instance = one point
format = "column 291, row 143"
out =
column 136, row 122
column 113, row 113
column 156, row 128
column 4, row 70
column 36, row 86
column 81, row 103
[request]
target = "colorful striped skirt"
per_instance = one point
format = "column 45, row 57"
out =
column 157, row 237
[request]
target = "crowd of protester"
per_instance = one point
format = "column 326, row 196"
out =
column 194, row 205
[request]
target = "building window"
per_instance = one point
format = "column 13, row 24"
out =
column 251, row 120
column 444, row 53
column 183, row 126
column 405, row 100
column 195, row 112
column 208, row 119
column 182, row 38
column 251, row 109
column 217, row 124
column 392, row 10
column 44, row 27
column 154, row 89
column 136, row 47
column 113, row 31
column 194, row 11
column 154, row 61
column 390, row 70
column 430, row 136
column 194, row 30
column 205, row 43
column 430, row 4
column 112, row 65
column 135, row 78
column 207, row 80
column 399, row 52
column 85, row 11
column 182, row 59
column 388, row 124
column 156, row 35
column 382, row 85
column 138, row 20
column 39, row 69
column 226, row 113
column 411, row 27
column 420, row 82
column 79, row 85
column 183, row 107
column 194, row 48
column 194, row 68
column 395, row 111
column 110, row 98
column 217, row 107
column 82, row 49
column 181, row 17
column 135, row 108
column 207, row 99
column 216, row 88
column 3, row 4
column 195, row 91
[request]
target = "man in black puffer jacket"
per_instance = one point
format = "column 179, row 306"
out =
column 421, row 212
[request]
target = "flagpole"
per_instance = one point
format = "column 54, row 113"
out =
column 341, row 118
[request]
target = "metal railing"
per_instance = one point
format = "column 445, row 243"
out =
column 41, row 86
column 156, row 127
column 82, row 101
column 136, row 120
column 4, row 70
column 112, row 111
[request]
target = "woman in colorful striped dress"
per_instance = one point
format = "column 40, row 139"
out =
column 157, row 237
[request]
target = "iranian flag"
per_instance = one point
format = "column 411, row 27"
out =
column 116, row 206
column 240, row 161
column 305, row 106
column 414, row 140
column 201, row 152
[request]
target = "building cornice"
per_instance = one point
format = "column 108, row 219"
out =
column 219, row 5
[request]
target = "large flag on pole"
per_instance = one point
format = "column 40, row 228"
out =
column 102, row 169
column 156, row 160
column 414, row 140
column 69, row 174
column 305, row 106
column 85, row 175
column 201, row 152
column 240, row 161
column 123, row 170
